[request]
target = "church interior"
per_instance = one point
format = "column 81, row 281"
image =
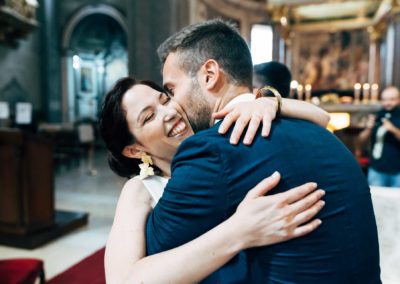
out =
column 58, row 59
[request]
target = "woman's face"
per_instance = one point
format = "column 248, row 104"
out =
column 158, row 123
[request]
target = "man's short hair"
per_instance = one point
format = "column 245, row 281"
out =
column 273, row 74
column 214, row 39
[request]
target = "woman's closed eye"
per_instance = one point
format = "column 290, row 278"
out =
column 148, row 118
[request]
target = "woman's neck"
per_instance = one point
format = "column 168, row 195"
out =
column 164, row 166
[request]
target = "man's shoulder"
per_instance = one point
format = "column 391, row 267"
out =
column 203, row 137
column 211, row 140
column 202, row 142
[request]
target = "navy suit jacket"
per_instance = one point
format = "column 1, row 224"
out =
column 210, row 177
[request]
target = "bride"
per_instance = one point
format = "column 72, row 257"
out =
column 142, row 128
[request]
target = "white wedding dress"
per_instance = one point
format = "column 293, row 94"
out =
column 155, row 186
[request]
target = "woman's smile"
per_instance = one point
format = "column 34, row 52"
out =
column 178, row 129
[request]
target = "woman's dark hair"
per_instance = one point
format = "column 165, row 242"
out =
column 114, row 128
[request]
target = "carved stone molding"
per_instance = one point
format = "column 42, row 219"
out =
column 17, row 20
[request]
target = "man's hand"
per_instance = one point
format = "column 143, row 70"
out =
column 371, row 121
column 391, row 127
column 249, row 114
column 265, row 220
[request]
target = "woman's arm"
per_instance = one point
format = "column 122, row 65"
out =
column 260, row 220
column 263, row 110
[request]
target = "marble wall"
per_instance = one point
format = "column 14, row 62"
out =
column 20, row 72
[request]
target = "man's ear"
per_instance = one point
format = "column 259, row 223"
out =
column 211, row 75
column 132, row 151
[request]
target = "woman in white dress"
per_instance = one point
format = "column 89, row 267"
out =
column 139, row 117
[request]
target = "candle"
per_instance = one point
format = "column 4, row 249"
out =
column 300, row 92
column 293, row 88
column 366, row 88
column 308, row 92
column 374, row 93
column 357, row 93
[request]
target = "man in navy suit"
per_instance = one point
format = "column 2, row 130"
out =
column 208, row 66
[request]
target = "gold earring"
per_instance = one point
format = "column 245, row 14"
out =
column 145, row 169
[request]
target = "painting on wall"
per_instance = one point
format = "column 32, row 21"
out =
column 86, row 81
column 331, row 60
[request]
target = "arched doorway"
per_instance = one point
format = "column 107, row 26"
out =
column 95, row 56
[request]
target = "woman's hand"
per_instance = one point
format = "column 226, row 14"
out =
column 249, row 114
column 265, row 220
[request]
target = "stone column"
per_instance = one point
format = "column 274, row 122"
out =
column 374, row 70
column 395, row 80
column 278, row 51
column 150, row 22
column 50, row 57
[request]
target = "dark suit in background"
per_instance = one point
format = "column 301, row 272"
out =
column 210, row 177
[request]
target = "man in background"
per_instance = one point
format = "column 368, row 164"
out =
column 272, row 74
column 383, row 130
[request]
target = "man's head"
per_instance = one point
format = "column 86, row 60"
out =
column 200, row 64
column 272, row 74
column 390, row 98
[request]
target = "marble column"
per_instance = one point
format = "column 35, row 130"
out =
column 150, row 23
column 50, row 56
column 374, row 70
column 395, row 80
column 278, row 49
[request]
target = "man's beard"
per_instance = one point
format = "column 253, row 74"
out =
column 198, row 110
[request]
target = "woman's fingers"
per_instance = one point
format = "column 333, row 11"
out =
column 306, row 229
column 229, row 119
column 298, row 193
column 308, row 214
column 306, row 202
column 264, row 186
column 238, row 129
column 267, row 121
column 252, row 129
column 222, row 113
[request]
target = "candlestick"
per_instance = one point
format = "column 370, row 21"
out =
column 308, row 92
column 293, row 88
column 366, row 88
column 357, row 93
column 374, row 93
column 300, row 92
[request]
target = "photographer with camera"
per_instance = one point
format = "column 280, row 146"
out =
column 383, row 130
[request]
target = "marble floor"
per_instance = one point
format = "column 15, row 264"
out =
column 76, row 190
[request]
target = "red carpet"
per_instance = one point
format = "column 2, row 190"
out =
column 89, row 270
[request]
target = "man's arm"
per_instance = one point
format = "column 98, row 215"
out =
column 365, row 135
column 194, row 199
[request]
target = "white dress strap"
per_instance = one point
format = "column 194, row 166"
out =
column 155, row 185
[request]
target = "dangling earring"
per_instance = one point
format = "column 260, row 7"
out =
column 145, row 168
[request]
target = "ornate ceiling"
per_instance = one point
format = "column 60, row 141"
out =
column 315, row 14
